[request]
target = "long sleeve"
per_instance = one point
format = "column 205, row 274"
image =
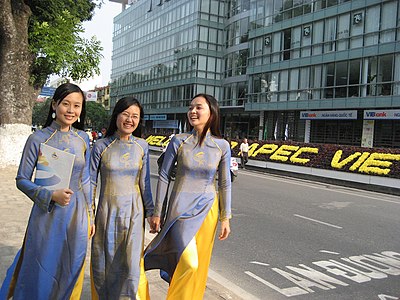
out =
column 224, row 183
column 163, row 179
column 95, row 162
column 86, row 182
column 144, row 183
column 38, row 194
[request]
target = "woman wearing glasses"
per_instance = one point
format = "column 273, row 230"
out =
column 122, row 161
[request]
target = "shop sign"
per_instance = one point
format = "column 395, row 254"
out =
column 166, row 124
column 329, row 115
column 155, row 117
column 393, row 114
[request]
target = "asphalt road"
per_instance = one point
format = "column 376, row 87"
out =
column 299, row 239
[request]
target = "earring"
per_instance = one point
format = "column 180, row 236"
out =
column 79, row 119
column 53, row 115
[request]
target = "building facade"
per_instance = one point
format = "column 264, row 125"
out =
column 320, row 71
column 103, row 97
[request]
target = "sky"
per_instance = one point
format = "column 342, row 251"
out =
column 101, row 26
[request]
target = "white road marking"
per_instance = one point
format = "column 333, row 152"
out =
column 320, row 222
column 288, row 292
column 383, row 297
column 329, row 252
column 335, row 205
column 259, row 263
column 312, row 185
column 229, row 285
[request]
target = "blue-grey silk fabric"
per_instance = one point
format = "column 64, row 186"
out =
column 192, row 196
column 56, row 237
column 125, row 200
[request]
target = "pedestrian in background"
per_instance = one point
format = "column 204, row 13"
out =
column 244, row 153
column 94, row 136
column 122, row 161
column 182, row 249
column 50, row 264
column 103, row 132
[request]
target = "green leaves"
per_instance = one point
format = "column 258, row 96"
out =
column 96, row 116
column 55, row 43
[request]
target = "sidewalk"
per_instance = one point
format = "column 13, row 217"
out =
column 15, row 208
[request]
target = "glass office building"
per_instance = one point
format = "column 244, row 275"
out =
column 323, row 71
column 165, row 52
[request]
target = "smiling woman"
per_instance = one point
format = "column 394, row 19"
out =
column 128, row 121
column 57, row 233
column 68, row 111
column 122, row 160
column 194, row 205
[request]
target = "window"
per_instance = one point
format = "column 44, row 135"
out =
column 318, row 35
column 295, row 41
column 330, row 35
column 294, row 84
column 304, row 84
column 387, row 134
column 203, row 34
column 283, row 85
column 341, row 80
column 388, row 22
column 343, row 32
column 343, row 132
column 330, row 80
column 372, row 20
column 287, row 38
column 278, row 8
column 386, row 73
column 354, row 78
column 297, row 8
column 306, row 41
column 276, row 47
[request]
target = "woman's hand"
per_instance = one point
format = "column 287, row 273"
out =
column 225, row 230
column 155, row 224
column 62, row 197
column 92, row 230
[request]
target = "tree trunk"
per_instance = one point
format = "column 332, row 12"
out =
column 17, row 96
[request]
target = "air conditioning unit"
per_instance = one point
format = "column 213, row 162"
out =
column 306, row 30
column 267, row 40
column 357, row 18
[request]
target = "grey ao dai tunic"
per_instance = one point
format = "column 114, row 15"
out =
column 192, row 196
column 125, row 200
column 54, row 249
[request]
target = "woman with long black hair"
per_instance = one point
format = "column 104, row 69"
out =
column 121, row 159
column 182, row 249
column 51, row 261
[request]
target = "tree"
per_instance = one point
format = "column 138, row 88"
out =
column 38, row 38
column 40, row 111
column 96, row 116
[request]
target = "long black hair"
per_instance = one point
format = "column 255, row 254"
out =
column 120, row 106
column 61, row 92
column 213, row 121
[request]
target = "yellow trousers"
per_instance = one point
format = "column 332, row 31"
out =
column 190, row 276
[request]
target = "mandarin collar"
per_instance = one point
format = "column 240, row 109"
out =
column 116, row 136
column 194, row 132
column 55, row 126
